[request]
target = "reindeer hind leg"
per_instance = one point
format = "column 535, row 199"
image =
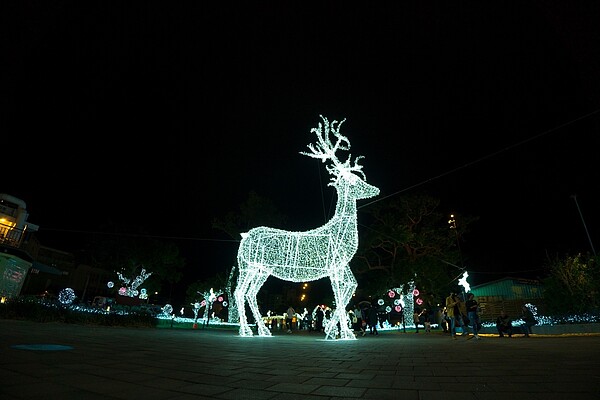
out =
column 240, row 296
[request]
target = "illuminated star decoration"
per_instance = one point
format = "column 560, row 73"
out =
column 463, row 282
column 311, row 255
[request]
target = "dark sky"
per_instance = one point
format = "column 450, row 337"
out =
column 166, row 114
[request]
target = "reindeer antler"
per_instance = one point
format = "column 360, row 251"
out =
column 325, row 150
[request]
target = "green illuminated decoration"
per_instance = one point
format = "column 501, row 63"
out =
column 311, row 255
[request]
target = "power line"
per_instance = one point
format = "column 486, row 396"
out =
column 484, row 157
column 140, row 235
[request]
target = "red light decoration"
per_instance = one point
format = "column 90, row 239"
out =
column 398, row 308
column 416, row 292
column 220, row 299
column 419, row 301
column 391, row 294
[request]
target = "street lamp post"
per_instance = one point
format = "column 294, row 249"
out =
column 452, row 223
column 574, row 197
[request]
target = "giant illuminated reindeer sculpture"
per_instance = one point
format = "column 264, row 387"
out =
column 311, row 255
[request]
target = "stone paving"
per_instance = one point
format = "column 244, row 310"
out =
column 63, row 361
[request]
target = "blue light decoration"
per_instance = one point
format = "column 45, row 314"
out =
column 66, row 296
column 167, row 310
column 310, row 255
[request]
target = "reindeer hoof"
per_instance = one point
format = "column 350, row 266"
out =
column 246, row 331
column 263, row 331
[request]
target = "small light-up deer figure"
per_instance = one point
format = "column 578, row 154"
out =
column 308, row 256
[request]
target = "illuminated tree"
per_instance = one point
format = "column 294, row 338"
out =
column 126, row 248
column 130, row 287
column 314, row 254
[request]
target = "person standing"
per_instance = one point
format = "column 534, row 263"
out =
column 289, row 318
column 454, row 308
column 372, row 319
column 320, row 316
column 358, row 314
column 416, row 320
column 426, row 319
column 473, row 313
column 528, row 320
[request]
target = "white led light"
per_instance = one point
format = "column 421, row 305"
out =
column 311, row 255
column 463, row 282
column 66, row 296
column 130, row 288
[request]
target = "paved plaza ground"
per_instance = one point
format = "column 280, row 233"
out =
column 64, row 361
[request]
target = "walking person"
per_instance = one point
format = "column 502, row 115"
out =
column 473, row 313
column 456, row 309
column 528, row 320
column 289, row 317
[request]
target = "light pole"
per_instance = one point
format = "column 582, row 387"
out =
column 452, row 223
column 574, row 197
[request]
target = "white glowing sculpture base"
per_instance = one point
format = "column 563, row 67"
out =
column 308, row 256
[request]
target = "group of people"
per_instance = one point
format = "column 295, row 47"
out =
column 457, row 313
column 464, row 314
column 460, row 314
column 504, row 322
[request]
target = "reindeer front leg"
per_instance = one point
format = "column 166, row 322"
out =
column 258, row 280
column 343, row 284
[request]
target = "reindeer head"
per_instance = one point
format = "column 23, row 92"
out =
column 343, row 174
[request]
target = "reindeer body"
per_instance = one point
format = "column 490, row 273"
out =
column 311, row 255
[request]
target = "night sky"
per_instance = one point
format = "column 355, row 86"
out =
column 165, row 115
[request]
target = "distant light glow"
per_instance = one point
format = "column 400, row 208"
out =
column 310, row 255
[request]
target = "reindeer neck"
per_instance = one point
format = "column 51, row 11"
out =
column 345, row 207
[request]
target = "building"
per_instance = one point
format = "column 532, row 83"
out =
column 15, row 231
column 508, row 294
column 29, row 268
